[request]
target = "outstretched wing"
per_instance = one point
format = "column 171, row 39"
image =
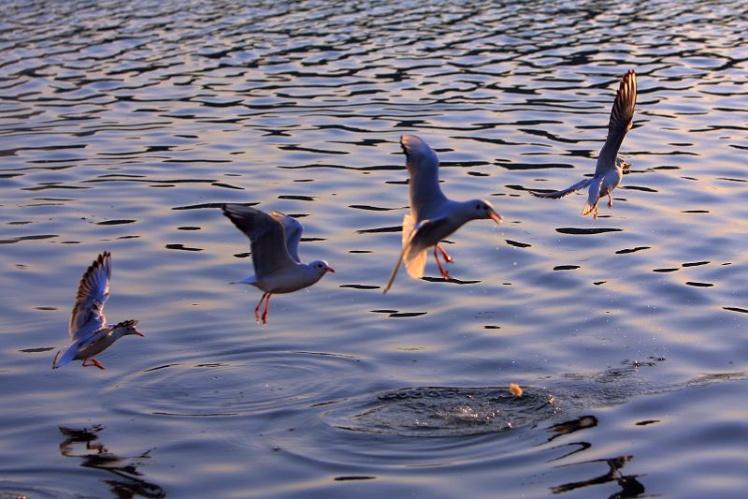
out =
column 621, row 117
column 423, row 167
column 293, row 230
column 559, row 194
column 266, row 236
column 93, row 291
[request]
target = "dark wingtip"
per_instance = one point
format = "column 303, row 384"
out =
column 403, row 146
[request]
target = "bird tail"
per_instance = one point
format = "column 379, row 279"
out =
column 593, row 197
column 247, row 280
column 64, row 357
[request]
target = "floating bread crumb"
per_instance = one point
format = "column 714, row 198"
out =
column 515, row 389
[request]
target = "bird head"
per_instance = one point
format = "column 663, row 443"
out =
column 622, row 164
column 483, row 209
column 125, row 328
column 321, row 267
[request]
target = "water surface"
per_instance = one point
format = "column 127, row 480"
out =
column 125, row 125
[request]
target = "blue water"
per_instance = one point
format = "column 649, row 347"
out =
column 125, row 125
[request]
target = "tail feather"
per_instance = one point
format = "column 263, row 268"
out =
column 588, row 208
column 64, row 357
column 593, row 197
column 247, row 280
column 415, row 261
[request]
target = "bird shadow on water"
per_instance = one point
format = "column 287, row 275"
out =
column 83, row 444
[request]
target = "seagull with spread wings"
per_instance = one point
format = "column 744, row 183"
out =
column 89, row 333
column 274, row 242
column 432, row 216
column 610, row 166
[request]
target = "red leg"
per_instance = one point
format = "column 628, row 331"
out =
column 610, row 201
column 442, row 270
column 444, row 253
column 267, row 307
column 259, row 304
column 92, row 362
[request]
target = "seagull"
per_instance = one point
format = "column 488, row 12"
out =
column 610, row 166
column 274, row 244
column 432, row 216
column 89, row 333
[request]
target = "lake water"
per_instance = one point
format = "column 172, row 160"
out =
column 125, row 125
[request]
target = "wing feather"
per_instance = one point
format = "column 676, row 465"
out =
column 423, row 167
column 621, row 116
column 559, row 194
column 292, row 230
column 93, row 291
column 266, row 236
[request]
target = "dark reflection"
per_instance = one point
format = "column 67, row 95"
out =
column 585, row 232
column 451, row 279
column 396, row 313
column 83, row 443
column 630, row 485
column 569, row 427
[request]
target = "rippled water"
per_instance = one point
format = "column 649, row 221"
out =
column 124, row 126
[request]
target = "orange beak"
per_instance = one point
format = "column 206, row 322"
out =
column 495, row 217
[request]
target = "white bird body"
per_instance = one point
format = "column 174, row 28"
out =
column 274, row 240
column 286, row 280
column 89, row 332
column 609, row 168
column 433, row 216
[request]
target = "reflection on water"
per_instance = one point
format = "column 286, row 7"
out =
column 125, row 126
column 630, row 485
column 83, row 443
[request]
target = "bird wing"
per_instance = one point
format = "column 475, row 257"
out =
column 559, row 194
column 393, row 274
column 621, row 117
column 266, row 236
column 423, row 167
column 408, row 224
column 93, row 291
column 293, row 230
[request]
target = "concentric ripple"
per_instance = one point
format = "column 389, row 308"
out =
column 240, row 384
